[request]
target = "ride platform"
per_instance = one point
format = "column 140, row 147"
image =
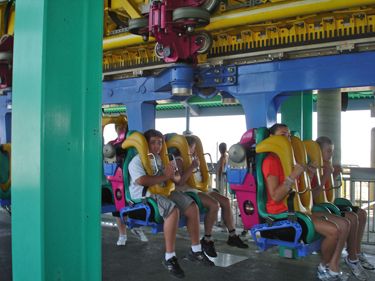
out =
column 142, row 261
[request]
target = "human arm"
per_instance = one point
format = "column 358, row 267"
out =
column 186, row 174
column 175, row 177
column 137, row 171
column 337, row 170
column 221, row 165
column 278, row 190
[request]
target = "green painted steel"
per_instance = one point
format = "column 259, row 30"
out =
column 56, row 140
column 297, row 113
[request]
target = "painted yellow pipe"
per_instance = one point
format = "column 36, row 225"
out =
column 252, row 15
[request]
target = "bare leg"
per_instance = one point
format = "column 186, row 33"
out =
column 226, row 209
column 170, row 230
column 121, row 226
column 352, row 237
column 335, row 232
column 362, row 219
column 192, row 215
column 213, row 207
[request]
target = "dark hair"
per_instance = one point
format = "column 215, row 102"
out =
column 153, row 133
column 190, row 140
column 222, row 147
column 273, row 129
column 322, row 141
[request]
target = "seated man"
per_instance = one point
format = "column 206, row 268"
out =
column 170, row 208
column 210, row 200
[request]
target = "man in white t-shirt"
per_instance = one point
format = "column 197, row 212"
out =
column 170, row 208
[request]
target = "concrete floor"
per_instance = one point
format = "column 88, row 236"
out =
column 142, row 261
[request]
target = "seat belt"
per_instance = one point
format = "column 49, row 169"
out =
column 292, row 216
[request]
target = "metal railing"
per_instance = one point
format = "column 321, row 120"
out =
column 358, row 187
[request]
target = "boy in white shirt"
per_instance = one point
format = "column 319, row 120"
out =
column 170, row 208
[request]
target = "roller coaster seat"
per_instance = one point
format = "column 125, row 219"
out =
column 141, row 212
column 175, row 141
column 286, row 229
column 314, row 153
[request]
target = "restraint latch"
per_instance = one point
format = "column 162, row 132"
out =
column 144, row 198
column 131, row 204
column 292, row 216
column 270, row 221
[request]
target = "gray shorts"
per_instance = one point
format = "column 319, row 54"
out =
column 176, row 199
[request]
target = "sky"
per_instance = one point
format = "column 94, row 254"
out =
column 355, row 133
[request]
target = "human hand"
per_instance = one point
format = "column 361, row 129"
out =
column 337, row 168
column 311, row 168
column 169, row 170
column 298, row 169
column 328, row 169
column 195, row 163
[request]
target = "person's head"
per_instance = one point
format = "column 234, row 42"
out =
column 155, row 141
column 280, row 130
column 192, row 142
column 327, row 147
column 223, row 147
column 119, row 129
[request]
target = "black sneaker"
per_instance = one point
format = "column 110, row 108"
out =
column 236, row 241
column 199, row 257
column 173, row 267
column 208, row 248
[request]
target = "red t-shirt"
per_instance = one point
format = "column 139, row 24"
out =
column 272, row 166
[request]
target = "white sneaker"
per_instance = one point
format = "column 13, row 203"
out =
column 364, row 262
column 121, row 240
column 356, row 269
column 139, row 233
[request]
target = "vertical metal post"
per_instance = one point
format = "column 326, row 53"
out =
column 187, row 119
column 329, row 120
column 56, row 140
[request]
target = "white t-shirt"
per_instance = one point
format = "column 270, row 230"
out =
column 136, row 171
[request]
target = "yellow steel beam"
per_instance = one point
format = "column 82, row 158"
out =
column 252, row 15
column 131, row 8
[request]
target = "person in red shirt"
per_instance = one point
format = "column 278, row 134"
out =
column 356, row 260
column 278, row 186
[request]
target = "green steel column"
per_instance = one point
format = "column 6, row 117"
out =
column 297, row 113
column 56, row 140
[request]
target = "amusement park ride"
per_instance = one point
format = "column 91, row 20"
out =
column 254, row 53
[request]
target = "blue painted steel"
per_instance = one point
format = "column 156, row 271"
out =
column 140, row 94
column 156, row 227
column 109, row 169
column 236, row 176
column 5, row 117
column 266, row 243
column 108, row 209
column 5, row 202
column 260, row 88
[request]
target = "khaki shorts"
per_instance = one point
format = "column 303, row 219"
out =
column 176, row 199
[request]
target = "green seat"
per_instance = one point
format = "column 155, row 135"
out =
column 309, row 235
column 132, row 152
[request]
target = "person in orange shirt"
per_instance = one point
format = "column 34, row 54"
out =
column 278, row 186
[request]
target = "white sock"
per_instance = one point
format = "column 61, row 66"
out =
column 357, row 260
column 123, row 235
column 196, row 248
column 333, row 273
column 169, row 255
column 321, row 267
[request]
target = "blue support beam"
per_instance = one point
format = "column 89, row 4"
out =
column 261, row 88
